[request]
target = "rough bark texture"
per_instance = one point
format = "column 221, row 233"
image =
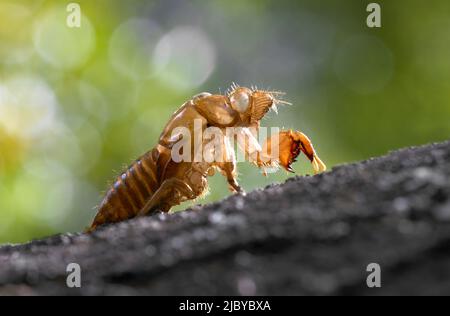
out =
column 310, row 235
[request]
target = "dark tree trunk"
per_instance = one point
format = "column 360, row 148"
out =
column 310, row 235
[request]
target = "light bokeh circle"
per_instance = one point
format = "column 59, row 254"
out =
column 131, row 47
column 62, row 46
column 186, row 57
column 27, row 106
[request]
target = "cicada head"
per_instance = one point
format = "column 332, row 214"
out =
column 253, row 104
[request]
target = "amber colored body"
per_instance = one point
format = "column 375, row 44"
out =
column 156, row 182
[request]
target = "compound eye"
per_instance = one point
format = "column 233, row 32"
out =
column 240, row 101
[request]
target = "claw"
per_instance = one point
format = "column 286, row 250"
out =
column 290, row 144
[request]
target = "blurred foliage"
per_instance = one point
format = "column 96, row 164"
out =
column 78, row 104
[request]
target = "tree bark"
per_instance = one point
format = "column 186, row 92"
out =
column 309, row 235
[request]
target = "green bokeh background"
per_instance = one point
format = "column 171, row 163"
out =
column 78, row 104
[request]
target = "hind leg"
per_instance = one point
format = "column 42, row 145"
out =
column 172, row 192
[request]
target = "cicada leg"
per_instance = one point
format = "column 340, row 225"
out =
column 171, row 192
column 283, row 149
column 228, row 169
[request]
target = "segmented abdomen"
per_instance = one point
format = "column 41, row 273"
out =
column 132, row 189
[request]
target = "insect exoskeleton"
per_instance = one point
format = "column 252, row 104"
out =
column 157, row 181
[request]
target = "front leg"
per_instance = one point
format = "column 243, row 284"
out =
column 283, row 149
